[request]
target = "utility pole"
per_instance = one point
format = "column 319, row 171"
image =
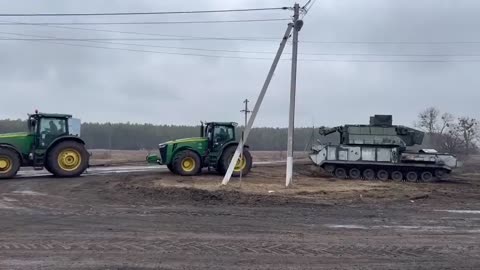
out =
column 297, row 25
column 258, row 103
column 246, row 112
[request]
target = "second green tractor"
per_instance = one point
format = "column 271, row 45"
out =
column 213, row 149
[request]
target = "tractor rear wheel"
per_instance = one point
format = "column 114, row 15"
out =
column 9, row 163
column 244, row 164
column 67, row 159
column 186, row 163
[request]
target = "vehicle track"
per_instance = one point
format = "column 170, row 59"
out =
column 241, row 247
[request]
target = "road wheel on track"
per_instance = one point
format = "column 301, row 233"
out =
column 439, row 173
column 354, row 173
column 329, row 168
column 426, row 176
column 340, row 173
column 369, row 174
column 411, row 176
column 397, row 175
column 67, row 159
column 186, row 163
column 382, row 175
column 9, row 163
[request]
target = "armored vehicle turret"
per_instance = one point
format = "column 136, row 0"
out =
column 378, row 150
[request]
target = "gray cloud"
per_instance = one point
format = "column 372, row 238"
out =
column 112, row 85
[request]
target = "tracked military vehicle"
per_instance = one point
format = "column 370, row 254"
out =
column 379, row 150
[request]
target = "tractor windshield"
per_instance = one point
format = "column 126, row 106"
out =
column 223, row 134
column 51, row 128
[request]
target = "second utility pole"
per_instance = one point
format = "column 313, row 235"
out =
column 297, row 25
column 246, row 111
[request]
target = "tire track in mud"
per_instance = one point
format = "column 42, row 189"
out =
column 240, row 247
column 35, row 206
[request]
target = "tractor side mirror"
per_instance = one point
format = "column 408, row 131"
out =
column 31, row 124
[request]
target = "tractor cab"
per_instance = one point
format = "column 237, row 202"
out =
column 218, row 134
column 46, row 128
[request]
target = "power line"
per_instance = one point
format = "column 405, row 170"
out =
column 235, row 57
column 113, row 39
column 234, row 39
column 48, row 38
column 138, row 13
column 150, row 23
column 392, row 42
column 44, row 38
column 51, row 41
column 261, row 39
column 143, row 33
column 389, row 61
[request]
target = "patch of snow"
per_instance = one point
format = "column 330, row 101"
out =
column 29, row 192
column 461, row 211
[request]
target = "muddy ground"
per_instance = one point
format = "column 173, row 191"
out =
column 162, row 221
column 115, row 157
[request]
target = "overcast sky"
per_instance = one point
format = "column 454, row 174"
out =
column 100, row 85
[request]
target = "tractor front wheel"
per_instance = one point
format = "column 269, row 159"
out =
column 244, row 163
column 9, row 163
column 186, row 163
column 67, row 159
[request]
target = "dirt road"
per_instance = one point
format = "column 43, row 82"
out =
column 130, row 221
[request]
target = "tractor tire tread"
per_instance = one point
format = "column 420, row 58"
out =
column 15, row 159
column 226, row 158
column 51, row 164
column 177, row 163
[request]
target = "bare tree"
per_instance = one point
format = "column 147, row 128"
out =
column 428, row 120
column 469, row 130
column 447, row 121
column 451, row 140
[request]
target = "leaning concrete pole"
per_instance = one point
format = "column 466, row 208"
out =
column 293, row 85
column 235, row 157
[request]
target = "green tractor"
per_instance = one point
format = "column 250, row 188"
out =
column 214, row 148
column 52, row 142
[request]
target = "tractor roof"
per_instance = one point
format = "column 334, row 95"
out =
column 223, row 123
column 51, row 115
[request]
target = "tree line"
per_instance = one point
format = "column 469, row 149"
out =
column 444, row 132
column 447, row 133
column 128, row 136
